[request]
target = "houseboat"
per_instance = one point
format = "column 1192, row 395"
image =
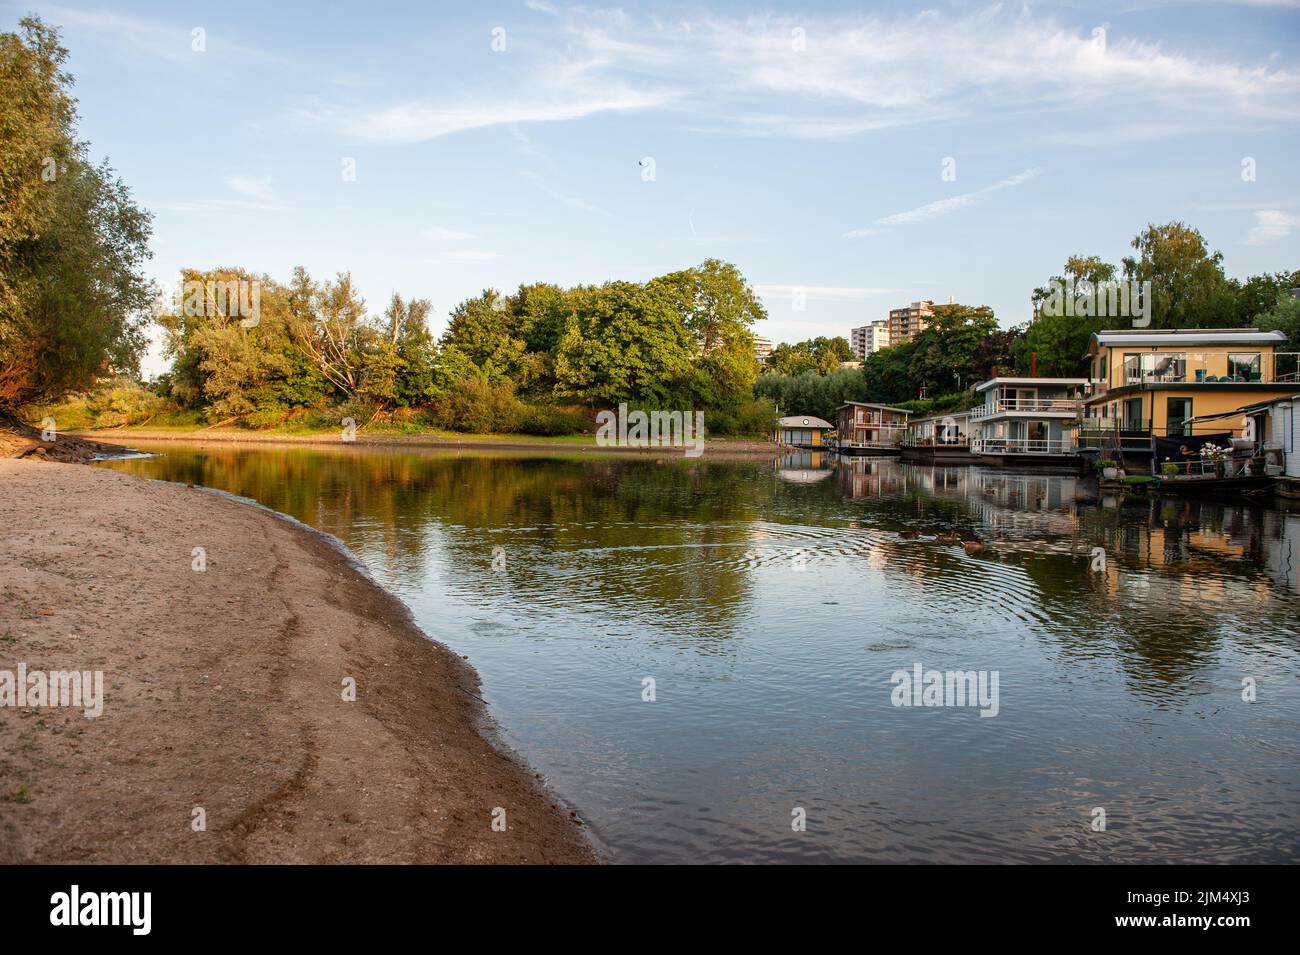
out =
column 939, row 439
column 1159, row 396
column 1027, row 422
column 803, row 431
column 1276, row 429
column 866, row 428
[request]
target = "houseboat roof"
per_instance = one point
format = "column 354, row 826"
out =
column 986, row 385
column 805, row 421
column 1256, row 406
column 869, row 404
column 955, row 415
column 1185, row 336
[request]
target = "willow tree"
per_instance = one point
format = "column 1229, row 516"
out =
column 73, row 300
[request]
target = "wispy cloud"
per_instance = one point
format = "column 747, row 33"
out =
column 830, row 293
column 1271, row 225
column 442, row 234
column 157, row 39
column 836, row 76
column 472, row 255
column 254, row 187
column 558, row 196
column 941, row 207
column 255, row 194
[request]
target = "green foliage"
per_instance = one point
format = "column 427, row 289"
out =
column 72, row 241
column 550, row 422
column 754, row 418
column 816, row 354
column 1283, row 317
column 624, row 342
column 941, row 404
column 1189, row 289
column 480, row 406
column 944, row 355
column 811, row 393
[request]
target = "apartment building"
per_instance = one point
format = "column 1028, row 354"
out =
column 908, row 321
column 866, row 339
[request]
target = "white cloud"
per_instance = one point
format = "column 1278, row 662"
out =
column 1271, row 225
column 254, row 187
column 830, row 293
column 164, row 41
column 442, row 234
column 256, row 194
column 558, row 196
column 854, row 75
column 472, row 255
column 941, row 207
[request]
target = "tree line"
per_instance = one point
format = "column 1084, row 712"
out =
column 934, row 371
column 538, row 360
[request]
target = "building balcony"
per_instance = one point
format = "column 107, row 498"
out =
column 1051, row 407
column 1022, row 446
column 1221, row 368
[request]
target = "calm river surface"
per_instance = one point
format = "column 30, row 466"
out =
column 772, row 601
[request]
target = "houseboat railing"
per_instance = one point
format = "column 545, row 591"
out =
column 1212, row 368
column 1040, row 405
column 1021, row 446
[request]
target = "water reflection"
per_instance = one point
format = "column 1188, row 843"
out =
column 772, row 599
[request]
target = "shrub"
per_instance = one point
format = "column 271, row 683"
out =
column 553, row 421
column 479, row 406
column 753, row 418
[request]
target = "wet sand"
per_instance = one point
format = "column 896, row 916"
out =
column 223, row 692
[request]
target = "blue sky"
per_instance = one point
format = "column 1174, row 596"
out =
column 805, row 142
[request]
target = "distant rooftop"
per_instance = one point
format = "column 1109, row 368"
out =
column 986, row 385
column 869, row 404
column 804, row 421
column 1185, row 336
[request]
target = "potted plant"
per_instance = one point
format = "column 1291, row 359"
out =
column 1217, row 456
column 1108, row 469
column 1169, row 468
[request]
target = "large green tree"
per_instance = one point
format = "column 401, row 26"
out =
column 1188, row 287
column 73, row 299
column 624, row 342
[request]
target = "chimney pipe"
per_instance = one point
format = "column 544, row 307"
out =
column 1033, row 364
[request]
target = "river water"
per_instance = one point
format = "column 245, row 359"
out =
column 706, row 657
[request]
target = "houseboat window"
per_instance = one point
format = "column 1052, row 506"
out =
column 1178, row 415
column 1155, row 366
column 1244, row 367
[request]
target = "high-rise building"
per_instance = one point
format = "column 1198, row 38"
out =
column 867, row 339
column 907, row 322
column 762, row 348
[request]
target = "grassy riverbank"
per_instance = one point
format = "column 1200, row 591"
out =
column 581, row 443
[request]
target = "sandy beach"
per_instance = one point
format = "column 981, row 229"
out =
column 223, row 695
